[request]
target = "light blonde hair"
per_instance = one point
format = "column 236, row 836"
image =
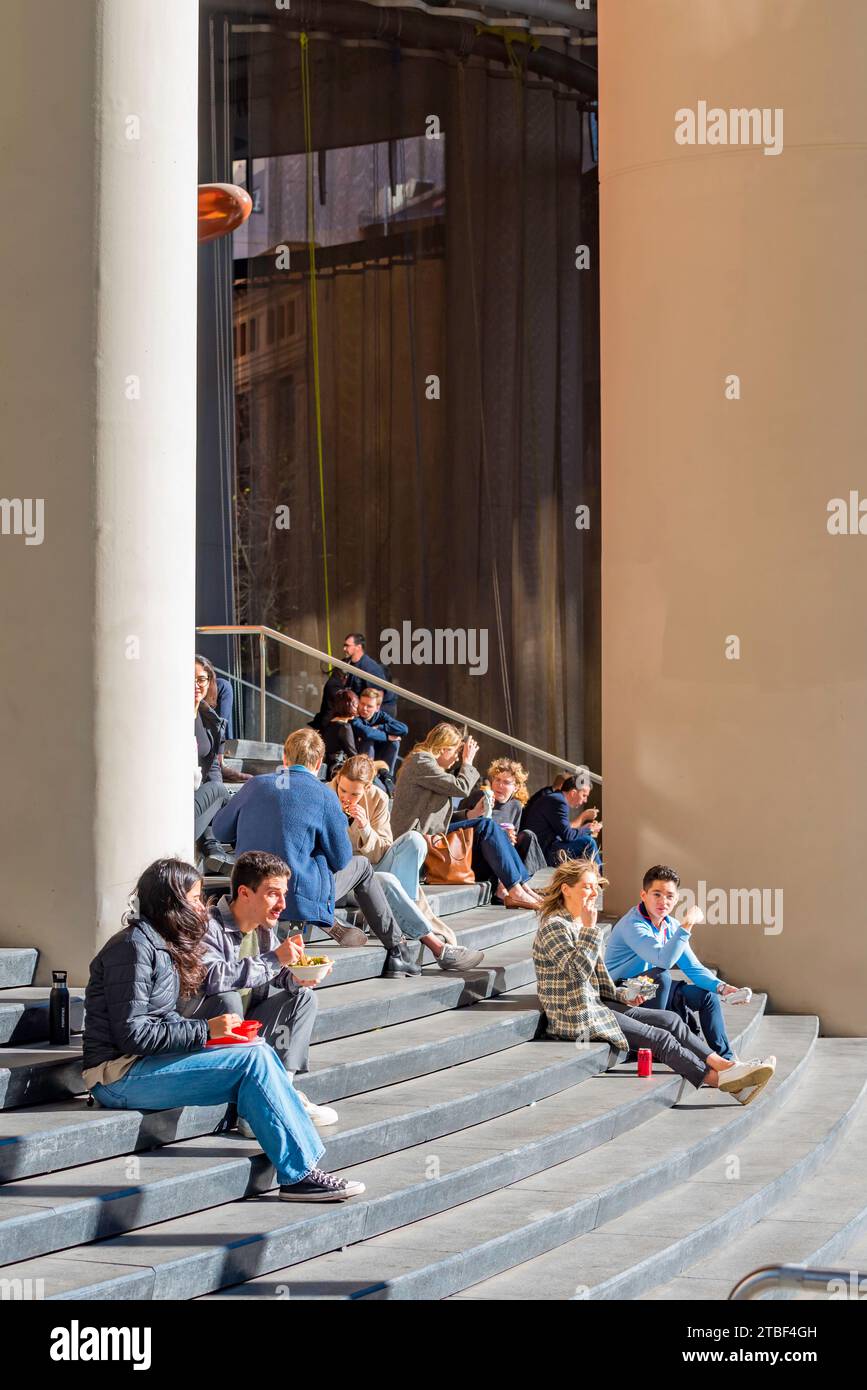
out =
column 569, row 871
column 510, row 768
column 304, row 746
column 441, row 737
column 372, row 690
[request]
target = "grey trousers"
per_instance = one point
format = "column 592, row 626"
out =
column 667, row 1036
column 208, row 799
column 359, row 879
column 287, row 1017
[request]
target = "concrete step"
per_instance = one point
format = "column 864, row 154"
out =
column 451, row 1251
column 24, row 1015
column 824, row 1223
column 47, row 1138
column 478, row 927
column 39, row 1215
column 350, row 1065
column 629, row 1255
column 368, row 1004
column 195, row 1254
column 39, row 1075
column 17, row 967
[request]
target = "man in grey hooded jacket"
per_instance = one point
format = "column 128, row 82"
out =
column 247, row 968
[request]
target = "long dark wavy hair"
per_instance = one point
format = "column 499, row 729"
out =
column 162, row 903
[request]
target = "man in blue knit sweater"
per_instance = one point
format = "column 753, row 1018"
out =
column 292, row 814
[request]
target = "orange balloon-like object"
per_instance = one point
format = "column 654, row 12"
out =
column 222, row 208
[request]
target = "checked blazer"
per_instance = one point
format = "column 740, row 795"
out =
column 573, row 982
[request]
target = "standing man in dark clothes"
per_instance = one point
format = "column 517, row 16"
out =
column 354, row 652
column 547, row 815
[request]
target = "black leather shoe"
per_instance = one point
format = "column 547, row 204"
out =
column 402, row 961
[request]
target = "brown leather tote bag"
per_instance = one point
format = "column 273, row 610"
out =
column 450, row 857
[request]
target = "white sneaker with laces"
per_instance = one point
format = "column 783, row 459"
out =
column 321, row 1115
column 746, row 1079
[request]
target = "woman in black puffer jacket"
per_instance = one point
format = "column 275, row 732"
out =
column 139, row 1053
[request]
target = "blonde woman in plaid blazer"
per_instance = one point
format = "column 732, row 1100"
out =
column 580, row 999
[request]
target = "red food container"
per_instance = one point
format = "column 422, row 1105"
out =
column 645, row 1061
column 249, row 1028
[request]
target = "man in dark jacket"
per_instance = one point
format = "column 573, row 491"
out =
column 354, row 651
column 547, row 815
column 292, row 814
column 376, row 733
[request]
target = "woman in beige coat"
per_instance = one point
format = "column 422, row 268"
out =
column 397, row 863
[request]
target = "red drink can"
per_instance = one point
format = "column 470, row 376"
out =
column 645, row 1061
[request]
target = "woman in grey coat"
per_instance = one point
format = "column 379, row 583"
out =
column 423, row 801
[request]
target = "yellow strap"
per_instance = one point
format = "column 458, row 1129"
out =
column 314, row 317
column 510, row 37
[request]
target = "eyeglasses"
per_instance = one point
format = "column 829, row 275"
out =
column 203, row 680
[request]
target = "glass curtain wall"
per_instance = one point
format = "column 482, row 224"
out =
column 414, row 374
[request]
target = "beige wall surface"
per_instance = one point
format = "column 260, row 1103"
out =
column 745, row 773
column 98, row 112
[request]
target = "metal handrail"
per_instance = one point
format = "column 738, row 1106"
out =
column 790, row 1277
column 264, row 633
column 269, row 694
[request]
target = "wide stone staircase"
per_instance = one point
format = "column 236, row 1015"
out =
column 498, row 1164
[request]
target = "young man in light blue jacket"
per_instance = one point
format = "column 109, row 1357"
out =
column 648, row 940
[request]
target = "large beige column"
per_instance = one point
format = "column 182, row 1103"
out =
column 720, row 261
column 97, row 325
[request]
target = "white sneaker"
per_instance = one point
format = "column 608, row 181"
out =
column 321, row 1115
column 459, row 958
column 244, row 1129
column 746, row 1079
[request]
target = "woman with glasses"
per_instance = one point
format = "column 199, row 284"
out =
column 210, row 793
column 508, row 783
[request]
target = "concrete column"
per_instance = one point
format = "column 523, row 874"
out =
column 98, row 332
column 745, row 771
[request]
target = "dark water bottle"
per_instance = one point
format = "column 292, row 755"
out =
column 58, row 1010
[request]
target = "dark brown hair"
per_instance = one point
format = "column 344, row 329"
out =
column 162, row 903
column 253, row 867
column 210, row 695
column 344, row 705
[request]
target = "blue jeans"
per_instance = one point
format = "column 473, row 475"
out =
column 585, row 848
column 493, row 848
column 251, row 1076
column 398, row 871
column 678, row 996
